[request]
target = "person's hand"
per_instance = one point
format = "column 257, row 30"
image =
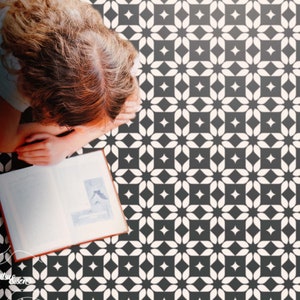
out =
column 130, row 108
column 45, row 149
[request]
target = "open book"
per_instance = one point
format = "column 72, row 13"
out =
column 47, row 209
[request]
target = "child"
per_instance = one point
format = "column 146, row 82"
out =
column 58, row 58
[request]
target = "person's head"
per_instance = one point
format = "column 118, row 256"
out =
column 74, row 70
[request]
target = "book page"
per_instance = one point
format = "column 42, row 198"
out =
column 48, row 208
column 92, row 208
column 32, row 210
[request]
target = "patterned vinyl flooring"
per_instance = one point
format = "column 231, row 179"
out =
column 208, row 173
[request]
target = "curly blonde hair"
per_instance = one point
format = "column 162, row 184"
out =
column 74, row 70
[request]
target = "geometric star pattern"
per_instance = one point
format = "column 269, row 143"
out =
column 208, row 173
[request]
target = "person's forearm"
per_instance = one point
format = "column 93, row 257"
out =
column 26, row 130
column 81, row 136
column 9, row 122
column 47, row 149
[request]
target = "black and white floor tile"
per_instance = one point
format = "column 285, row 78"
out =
column 209, row 172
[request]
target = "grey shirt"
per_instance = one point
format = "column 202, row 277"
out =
column 8, row 81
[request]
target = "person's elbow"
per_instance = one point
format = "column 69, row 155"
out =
column 6, row 149
column 9, row 124
column 7, row 144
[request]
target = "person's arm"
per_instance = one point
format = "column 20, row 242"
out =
column 47, row 149
column 52, row 149
column 14, row 134
column 9, row 124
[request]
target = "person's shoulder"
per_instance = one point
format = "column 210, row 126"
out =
column 3, row 10
column 8, row 87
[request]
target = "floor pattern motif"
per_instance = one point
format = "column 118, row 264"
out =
column 209, row 172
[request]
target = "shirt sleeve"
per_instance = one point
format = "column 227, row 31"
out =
column 8, row 81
